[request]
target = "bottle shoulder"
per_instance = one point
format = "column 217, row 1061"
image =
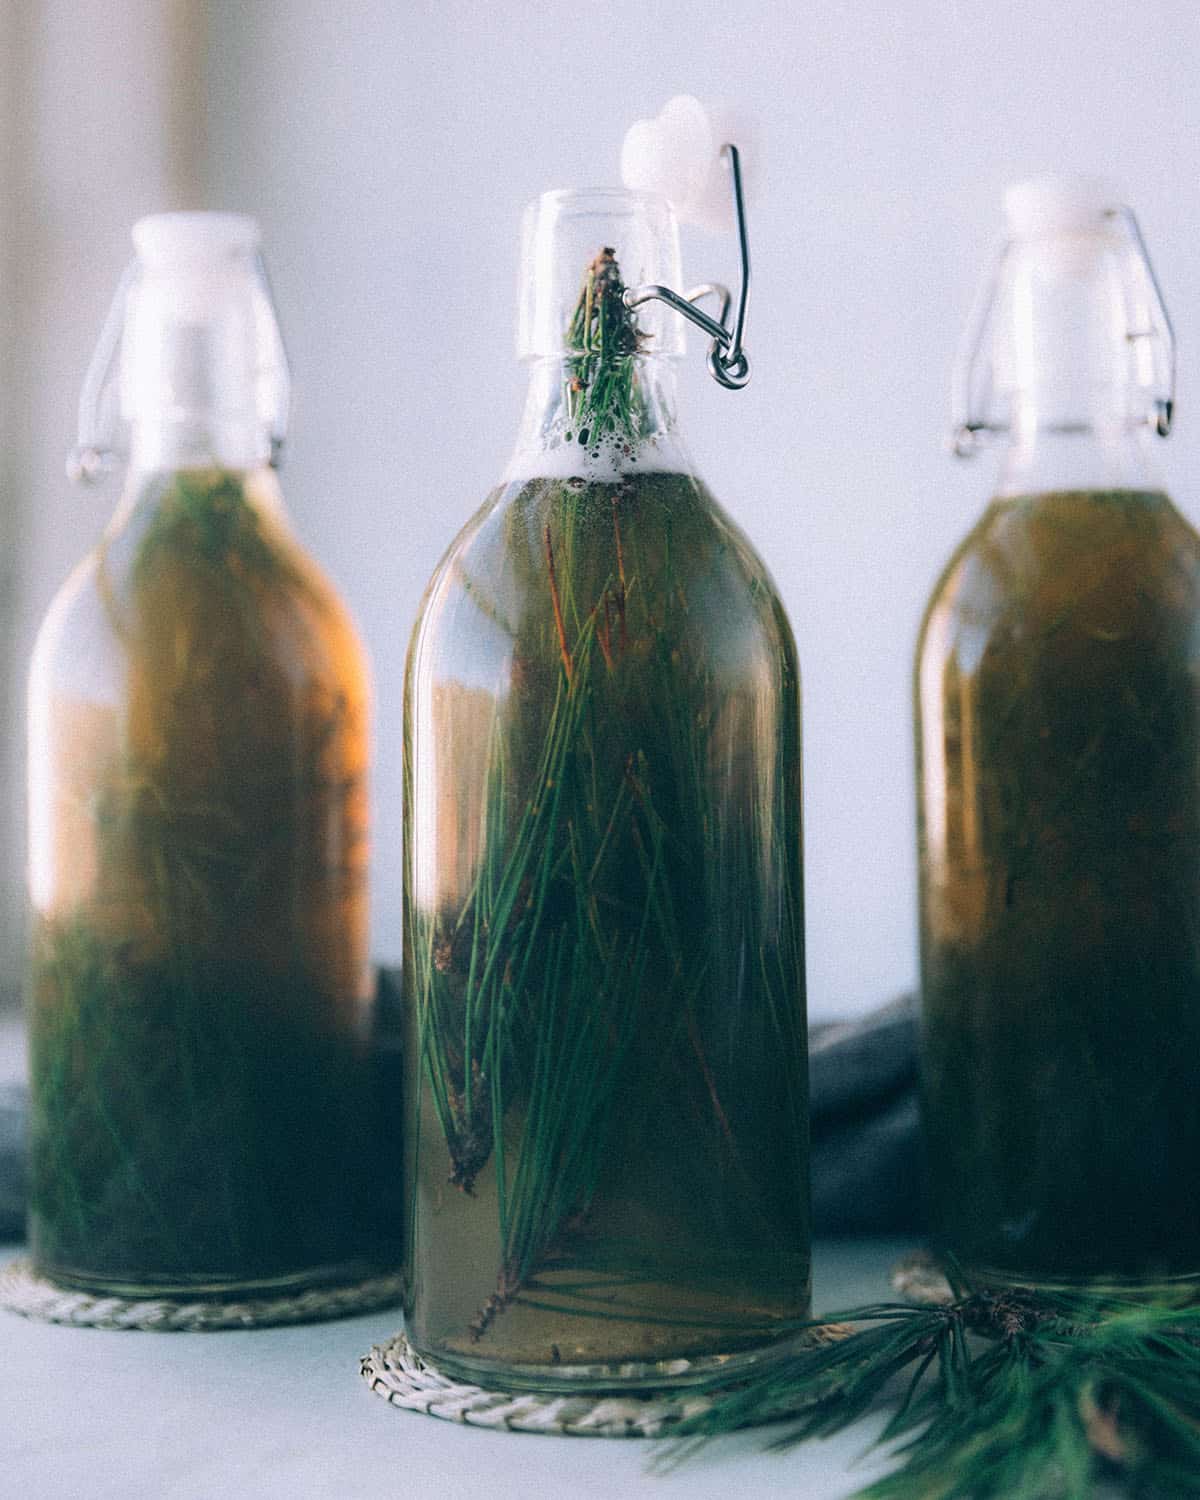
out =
column 1069, row 557
column 75, row 641
column 241, row 586
column 651, row 533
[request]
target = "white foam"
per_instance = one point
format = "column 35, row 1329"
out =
column 605, row 463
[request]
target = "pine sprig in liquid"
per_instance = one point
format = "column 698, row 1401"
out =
column 198, row 1039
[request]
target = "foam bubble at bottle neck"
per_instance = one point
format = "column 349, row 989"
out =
column 553, row 443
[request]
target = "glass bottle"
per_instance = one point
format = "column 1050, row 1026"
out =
column 607, row 1146
column 198, row 719
column 1058, row 733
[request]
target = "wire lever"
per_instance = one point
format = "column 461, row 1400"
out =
column 974, row 395
column 727, row 361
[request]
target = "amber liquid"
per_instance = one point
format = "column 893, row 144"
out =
column 1058, row 702
column 199, row 1028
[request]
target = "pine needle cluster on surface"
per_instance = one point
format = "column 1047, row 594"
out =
column 1020, row 1394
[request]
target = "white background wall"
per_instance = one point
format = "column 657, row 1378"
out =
column 99, row 103
column 389, row 149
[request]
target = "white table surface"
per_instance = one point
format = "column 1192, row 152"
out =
column 282, row 1414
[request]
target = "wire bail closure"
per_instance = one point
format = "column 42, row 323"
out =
column 101, row 445
column 971, row 422
column 1164, row 406
column 96, row 453
column 727, row 361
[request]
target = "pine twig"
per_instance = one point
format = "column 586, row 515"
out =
column 557, row 602
column 1018, row 1395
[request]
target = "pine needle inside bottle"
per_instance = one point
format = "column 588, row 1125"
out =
column 197, row 1054
column 605, row 976
column 602, row 397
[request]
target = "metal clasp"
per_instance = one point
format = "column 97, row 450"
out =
column 727, row 361
column 972, row 421
column 97, row 451
column 103, row 431
column 1164, row 406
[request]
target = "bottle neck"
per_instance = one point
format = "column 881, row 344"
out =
column 199, row 379
column 1042, row 457
column 596, row 417
column 197, row 443
column 159, row 471
column 1077, row 412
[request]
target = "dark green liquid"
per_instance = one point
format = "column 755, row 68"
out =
column 201, row 1078
column 196, row 1125
column 608, row 1155
column 1059, row 721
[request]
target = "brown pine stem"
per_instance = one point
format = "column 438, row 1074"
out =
column 558, row 614
column 507, row 1287
column 616, row 510
column 604, row 631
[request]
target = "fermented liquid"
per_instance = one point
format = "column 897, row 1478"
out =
column 604, row 949
column 201, row 1075
column 1058, row 708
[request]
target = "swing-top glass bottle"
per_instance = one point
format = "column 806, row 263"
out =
column 607, row 1141
column 198, row 702
column 1058, row 726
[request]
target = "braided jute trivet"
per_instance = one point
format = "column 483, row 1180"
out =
column 33, row 1296
column 395, row 1371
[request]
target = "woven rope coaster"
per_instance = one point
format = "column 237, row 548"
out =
column 395, row 1371
column 33, row 1296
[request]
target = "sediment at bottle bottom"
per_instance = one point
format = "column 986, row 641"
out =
column 648, row 1288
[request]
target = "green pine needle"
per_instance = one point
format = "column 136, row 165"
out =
column 1018, row 1395
column 196, row 1068
column 569, row 1000
column 603, row 399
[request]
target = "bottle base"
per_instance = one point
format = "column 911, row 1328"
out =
column 1147, row 1284
column 211, row 1287
column 609, row 1376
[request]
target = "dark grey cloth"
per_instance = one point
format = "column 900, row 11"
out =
column 866, row 1176
column 865, row 1157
